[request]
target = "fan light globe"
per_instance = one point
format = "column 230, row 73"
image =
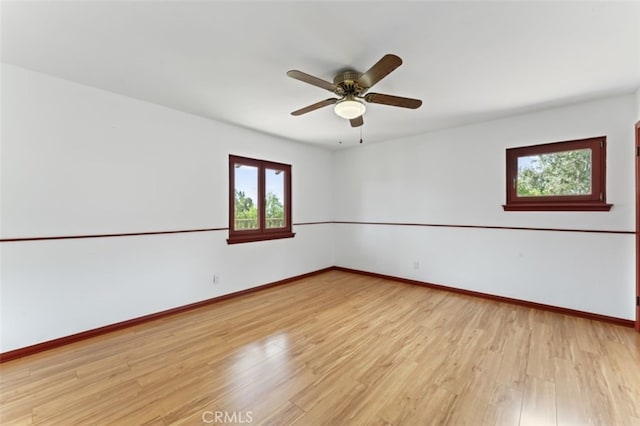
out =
column 349, row 109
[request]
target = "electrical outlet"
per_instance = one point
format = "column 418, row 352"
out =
column 416, row 264
column 216, row 279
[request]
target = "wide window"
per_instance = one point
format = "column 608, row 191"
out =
column 259, row 200
column 567, row 176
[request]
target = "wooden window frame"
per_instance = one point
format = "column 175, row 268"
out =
column 596, row 201
column 262, row 233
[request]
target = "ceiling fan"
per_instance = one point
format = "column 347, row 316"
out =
column 352, row 86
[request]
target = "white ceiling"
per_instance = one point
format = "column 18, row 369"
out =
column 467, row 61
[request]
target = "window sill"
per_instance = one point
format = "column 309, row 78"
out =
column 239, row 239
column 557, row 207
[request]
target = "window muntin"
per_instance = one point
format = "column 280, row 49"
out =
column 259, row 200
column 558, row 176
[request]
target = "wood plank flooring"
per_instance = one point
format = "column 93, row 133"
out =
column 337, row 349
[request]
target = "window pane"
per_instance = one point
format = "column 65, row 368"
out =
column 246, row 197
column 557, row 173
column 274, row 198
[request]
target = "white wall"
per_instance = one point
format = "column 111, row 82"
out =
column 457, row 177
column 77, row 160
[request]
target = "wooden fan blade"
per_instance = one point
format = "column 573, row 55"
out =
column 379, row 70
column 315, row 106
column 315, row 81
column 379, row 98
column 357, row 122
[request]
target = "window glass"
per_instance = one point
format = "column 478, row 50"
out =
column 246, row 197
column 558, row 173
column 274, row 198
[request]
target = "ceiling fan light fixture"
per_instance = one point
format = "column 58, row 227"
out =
column 349, row 109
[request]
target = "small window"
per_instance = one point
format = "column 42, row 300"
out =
column 561, row 176
column 259, row 200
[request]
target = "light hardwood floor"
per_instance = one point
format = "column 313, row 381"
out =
column 338, row 349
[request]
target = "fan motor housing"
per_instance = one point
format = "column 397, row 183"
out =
column 347, row 82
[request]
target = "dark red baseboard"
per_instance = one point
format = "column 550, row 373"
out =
column 588, row 315
column 62, row 341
